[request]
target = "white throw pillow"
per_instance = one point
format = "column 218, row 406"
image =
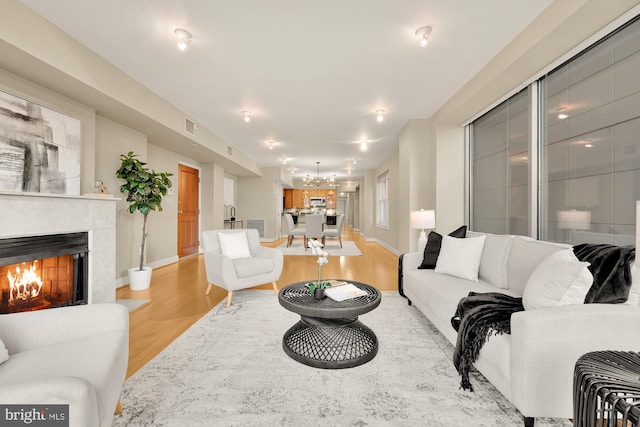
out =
column 4, row 354
column 460, row 257
column 560, row 279
column 234, row 245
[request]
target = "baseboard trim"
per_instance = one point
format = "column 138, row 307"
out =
column 383, row 244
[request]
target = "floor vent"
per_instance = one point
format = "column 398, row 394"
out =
column 258, row 224
column 189, row 126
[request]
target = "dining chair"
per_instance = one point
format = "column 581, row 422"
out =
column 292, row 230
column 334, row 233
column 313, row 228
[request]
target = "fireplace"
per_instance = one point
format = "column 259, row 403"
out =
column 39, row 272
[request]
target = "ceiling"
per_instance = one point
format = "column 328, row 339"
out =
column 312, row 73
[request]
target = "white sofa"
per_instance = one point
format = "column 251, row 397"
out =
column 71, row 355
column 533, row 366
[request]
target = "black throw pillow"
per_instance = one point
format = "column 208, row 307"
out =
column 434, row 242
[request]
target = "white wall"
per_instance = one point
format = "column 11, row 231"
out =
column 113, row 140
column 450, row 173
column 417, row 178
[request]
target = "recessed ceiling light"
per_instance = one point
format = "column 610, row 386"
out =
column 423, row 34
column 270, row 145
column 588, row 145
column 380, row 115
column 355, row 160
column 363, row 146
column 247, row 115
column 284, row 160
column 562, row 116
column 184, row 38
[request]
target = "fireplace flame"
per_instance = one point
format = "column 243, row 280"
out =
column 26, row 284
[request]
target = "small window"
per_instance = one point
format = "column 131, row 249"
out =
column 382, row 200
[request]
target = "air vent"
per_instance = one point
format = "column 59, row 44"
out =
column 189, row 126
column 229, row 150
column 258, row 224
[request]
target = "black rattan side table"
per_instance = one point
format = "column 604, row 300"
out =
column 329, row 334
column 606, row 389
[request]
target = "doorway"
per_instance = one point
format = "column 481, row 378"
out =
column 188, row 210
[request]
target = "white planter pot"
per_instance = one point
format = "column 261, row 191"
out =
column 139, row 279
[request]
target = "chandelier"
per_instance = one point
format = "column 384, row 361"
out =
column 317, row 181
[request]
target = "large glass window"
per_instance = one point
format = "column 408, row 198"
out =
column 500, row 167
column 590, row 156
column 588, row 150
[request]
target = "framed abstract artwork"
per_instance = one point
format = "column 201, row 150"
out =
column 40, row 149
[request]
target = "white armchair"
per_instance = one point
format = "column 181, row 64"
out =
column 70, row 355
column 231, row 265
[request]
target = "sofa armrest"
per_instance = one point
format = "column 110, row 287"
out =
column 79, row 394
column 220, row 270
column 274, row 254
column 34, row 329
column 406, row 262
column 546, row 343
column 411, row 261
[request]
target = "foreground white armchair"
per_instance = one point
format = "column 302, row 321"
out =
column 234, row 266
column 70, row 355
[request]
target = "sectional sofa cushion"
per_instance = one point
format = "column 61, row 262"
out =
column 4, row 353
column 634, row 292
column 460, row 257
column 526, row 254
column 561, row 279
column 434, row 242
column 494, row 265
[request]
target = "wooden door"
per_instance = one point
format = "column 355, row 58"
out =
column 188, row 211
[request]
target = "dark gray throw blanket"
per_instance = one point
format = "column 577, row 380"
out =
column 610, row 270
column 477, row 317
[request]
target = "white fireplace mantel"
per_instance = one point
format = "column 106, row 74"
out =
column 28, row 214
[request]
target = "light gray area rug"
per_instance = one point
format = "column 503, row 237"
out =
column 229, row 369
column 332, row 246
column 132, row 304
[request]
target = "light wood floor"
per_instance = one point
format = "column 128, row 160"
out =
column 178, row 299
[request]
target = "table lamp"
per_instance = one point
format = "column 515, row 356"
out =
column 573, row 220
column 423, row 219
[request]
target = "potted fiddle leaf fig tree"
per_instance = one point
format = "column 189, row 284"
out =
column 145, row 189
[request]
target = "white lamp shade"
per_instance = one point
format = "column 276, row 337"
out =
column 574, row 220
column 423, row 219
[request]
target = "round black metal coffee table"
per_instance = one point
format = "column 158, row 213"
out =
column 329, row 334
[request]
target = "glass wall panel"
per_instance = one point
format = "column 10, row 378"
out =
column 500, row 164
column 590, row 154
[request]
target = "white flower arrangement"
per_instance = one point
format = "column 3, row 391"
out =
column 323, row 258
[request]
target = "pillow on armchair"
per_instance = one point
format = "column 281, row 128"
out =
column 234, row 245
column 434, row 243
